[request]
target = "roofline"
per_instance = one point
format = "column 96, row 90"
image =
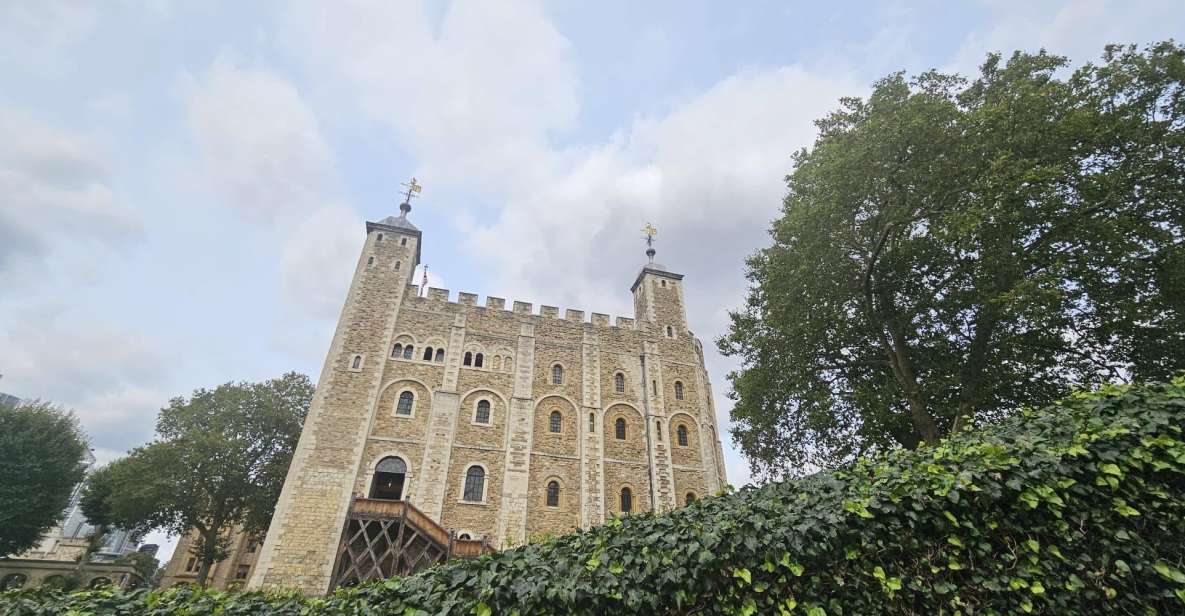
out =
column 657, row 272
column 373, row 226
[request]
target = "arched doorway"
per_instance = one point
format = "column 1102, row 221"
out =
column 389, row 476
column 13, row 581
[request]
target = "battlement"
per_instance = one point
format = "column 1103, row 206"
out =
column 470, row 300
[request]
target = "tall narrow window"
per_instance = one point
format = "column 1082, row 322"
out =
column 406, row 399
column 690, row 498
column 483, row 412
column 681, row 435
column 370, row 260
column 619, row 383
column 477, row 360
column 427, row 353
column 403, row 241
column 658, row 430
column 397, row 350
column 407, row 351
column 357, row 362
column 397, row 264
column 475, row 481
column 378, row 238
column 627, row 500
column 557, row 374
column 678, row 390
column 440, row 356
column 553, row 494
column 670, row 332
column 555, row 421
column 389, row 475
column 619, row 429
column 496, row 363
column 468, row 358
column 592, row 422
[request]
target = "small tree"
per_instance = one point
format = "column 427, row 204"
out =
column 218, row 462
column 42, row 453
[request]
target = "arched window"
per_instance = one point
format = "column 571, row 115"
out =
column 440, row 356
column 477, row 360
column 557, row 374
column 370, row 260
column 664, row 283
column 658, row 429
column 678, row 390
column 627, row 500
column 468, row 358
column 509, row 364
column 403, row 241
column 397, row 350
column 407, row 351
column 464, row 537
column 681, row 435
column 555, row 421
column 389, row 476
column 690, row 498
column 670, row 332
column 427, row 353
column 553, row 494
column 357, row 363
column 619, row 383
column 405, row 401
column 619, row 429
column 475, row 482
column 592, row 422
column 397, row 264
column 378, row 238
column 482, row 415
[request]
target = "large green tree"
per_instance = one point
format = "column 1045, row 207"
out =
column 950, row 250
column 218, row 462
column 42, row 452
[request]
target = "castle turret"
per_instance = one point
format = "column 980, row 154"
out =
column 658, row 294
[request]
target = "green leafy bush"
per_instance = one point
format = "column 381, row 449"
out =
column 1073, row 509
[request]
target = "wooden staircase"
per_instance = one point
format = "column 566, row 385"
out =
column 386, row 538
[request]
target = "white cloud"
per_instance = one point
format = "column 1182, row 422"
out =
column 319, row 259
column 1075, row 28
column 55, row 192
column 107, row 376
column 261, row 146
column 33, row 32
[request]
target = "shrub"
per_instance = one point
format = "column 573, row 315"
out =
column 1072, row 509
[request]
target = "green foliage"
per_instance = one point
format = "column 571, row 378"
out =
column 1078, row 508
column 218, row 462
column 147, row 567
column 950, row 250
column 41, row 460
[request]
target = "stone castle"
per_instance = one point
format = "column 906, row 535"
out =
column 500, row 425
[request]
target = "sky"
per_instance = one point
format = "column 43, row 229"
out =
column 183, row 186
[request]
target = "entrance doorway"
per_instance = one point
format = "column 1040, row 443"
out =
column 388, row 479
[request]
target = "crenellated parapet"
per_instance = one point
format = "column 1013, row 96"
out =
column 440, row 299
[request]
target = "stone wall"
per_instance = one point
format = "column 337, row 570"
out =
column 353, row 422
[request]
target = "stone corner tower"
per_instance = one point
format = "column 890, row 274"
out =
column 306, row 526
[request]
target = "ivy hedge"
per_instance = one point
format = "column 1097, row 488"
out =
column 1073, row 509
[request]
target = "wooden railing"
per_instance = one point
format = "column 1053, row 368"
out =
column 387, row 509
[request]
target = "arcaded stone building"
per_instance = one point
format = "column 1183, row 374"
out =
column 497, row 422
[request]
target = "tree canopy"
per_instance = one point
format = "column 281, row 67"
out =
column 951, row 249
column 218, row 462
column 42, row 452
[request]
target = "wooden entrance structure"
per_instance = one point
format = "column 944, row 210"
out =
column 386, row 538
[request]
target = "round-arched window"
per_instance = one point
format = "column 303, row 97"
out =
column 619, row 383
column 406, row 399
column 681, row 435
column 475, row 480
column 389, row 476
column 555, row 422
column 557, row 375
column 619, row 429
column 553, row 494
column 482, row 415
column 627, row 500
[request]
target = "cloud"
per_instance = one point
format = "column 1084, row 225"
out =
column 108, row 376
column 55, row 191
column 1078, row 29
column 319, row 257
column 260, row 145
column 33, row 33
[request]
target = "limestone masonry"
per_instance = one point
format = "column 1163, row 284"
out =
column 499, row 423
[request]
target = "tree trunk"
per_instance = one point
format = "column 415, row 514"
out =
column 209, row 541
column 972, row 372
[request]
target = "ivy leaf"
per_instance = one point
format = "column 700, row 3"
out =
column 1169, row 572
column 743, row 574
column 482, row 610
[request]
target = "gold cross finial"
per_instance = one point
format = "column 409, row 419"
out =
column 413, row 190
